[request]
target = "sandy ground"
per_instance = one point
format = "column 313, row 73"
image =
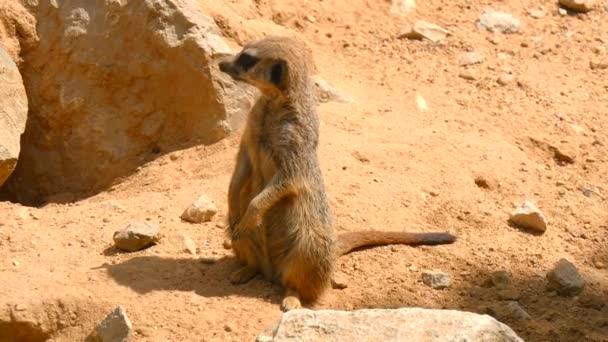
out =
column 388, row 165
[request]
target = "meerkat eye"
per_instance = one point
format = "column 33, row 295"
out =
column 277, row 73
column 246, row 61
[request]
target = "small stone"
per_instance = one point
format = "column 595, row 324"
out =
column 599, row 65
column 565, row 279
column 423, row 30
column 434, row 193
column 482, row 182
column 145, row 332
column 403, row 6
column 326, row 93
column 470, row 58
column 421, row 103
column 136, row 236
column 109, row 205
column 436, row 279
column 586, row 191
column 598, row 263
column 581, row 6
column 563, row 155
column 562, row 12
column 183, row 243
column 505, row 79
column 339, row 281
column 227, row 328
column 508, row 310
column 227, row 244
column 116, row 327
column 468, row 74
column 310, row 18
column 500, row 279
column 15, row 263
column 202, row 210
column 537, row 13
column 527, row 216
column 599, row 50
column 495, row 21
column 20, row 307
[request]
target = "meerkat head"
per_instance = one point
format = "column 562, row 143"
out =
column 275, row 65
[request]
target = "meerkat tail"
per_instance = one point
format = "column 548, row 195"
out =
column 347, row 242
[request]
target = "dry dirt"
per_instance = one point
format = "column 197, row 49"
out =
column 388, row 165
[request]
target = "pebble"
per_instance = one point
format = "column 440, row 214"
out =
column 421, row 103
column 136, row 236
column 495, row 21
column 423, row 30
column 508, row 310
column 565, row 279
column 505, row 79
column 599, row 65
column 562, row 12
column 15, row 263
column 183, row 243
column 436, row 279
column 326, row 93
column 482, row 182
column 202, row 210
column 537, row 13
column 598, row 263
column 20, row 307
column 403, row 6
column 581, row 6
column 527, row 216
column 469, row 75
column 116, row 327
column 470, row 58
column 339, row 281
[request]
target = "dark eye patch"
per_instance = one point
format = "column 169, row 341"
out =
column 246, row 61
column 277, row 73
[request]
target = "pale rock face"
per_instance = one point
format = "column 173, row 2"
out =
column 13, row 114
column 114, row 83
column 407, row 324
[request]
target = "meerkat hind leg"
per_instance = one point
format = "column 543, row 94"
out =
column 243, row 275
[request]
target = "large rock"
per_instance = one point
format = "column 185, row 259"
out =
column 114, row 83
column 582, row 6
column 17, row 28
column 388, row 325
column 13, row 114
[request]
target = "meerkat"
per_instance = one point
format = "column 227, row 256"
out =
column 279, row 221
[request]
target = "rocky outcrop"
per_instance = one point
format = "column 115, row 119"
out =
column 17, row 28
column 409, row 324
column 114, row 83
column 13, row 114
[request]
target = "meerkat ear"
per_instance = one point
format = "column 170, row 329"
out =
column 278, row 71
